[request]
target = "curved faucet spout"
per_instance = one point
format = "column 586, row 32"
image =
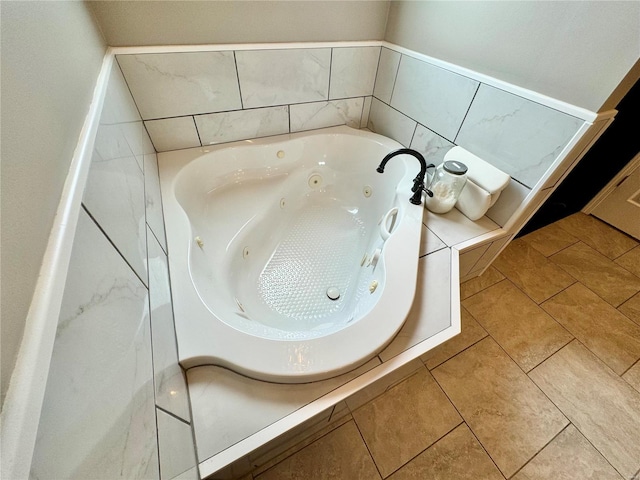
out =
column 418, row 182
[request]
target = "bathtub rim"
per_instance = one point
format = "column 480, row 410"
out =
column 355, row 340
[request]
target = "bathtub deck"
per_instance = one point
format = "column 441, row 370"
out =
column 241, row 423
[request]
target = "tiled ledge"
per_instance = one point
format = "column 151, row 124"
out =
column 237, row 419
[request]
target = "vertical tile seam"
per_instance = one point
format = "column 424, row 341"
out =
column 364, row 101
column 115, row 57
column 195, row 125
column 395, row 79
column 375, row 79
column 455, row 138
column 330, row 70
column 235, row 63
column 155, row 415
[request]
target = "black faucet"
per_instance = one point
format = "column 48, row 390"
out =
column 418, row 182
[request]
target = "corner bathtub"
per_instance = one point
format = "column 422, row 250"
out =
column 262, row 233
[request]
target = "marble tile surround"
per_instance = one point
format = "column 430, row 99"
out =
column 242, row 124
column 309, row 116
column 227, row 403
column 153, row 199
column 175, row 445
column 98, row 413
column 386, row 76
column 175, row 84
column 115, row 190
column 353, row 71
column 229, row 89
column 170, row 385
column 278, row 77
column 391, row 123
column 518, row 136
column 173, row 133
column 433, row 96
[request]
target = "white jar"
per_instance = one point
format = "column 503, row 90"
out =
column 445, row 186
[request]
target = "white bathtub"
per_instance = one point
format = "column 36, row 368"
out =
column 259, row 231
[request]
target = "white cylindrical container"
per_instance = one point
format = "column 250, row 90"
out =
column 445, row 186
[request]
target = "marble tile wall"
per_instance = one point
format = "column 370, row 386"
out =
column 116, row 402
column 431, row 109
column 204, row 98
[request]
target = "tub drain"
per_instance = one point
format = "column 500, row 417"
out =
column 333, row 293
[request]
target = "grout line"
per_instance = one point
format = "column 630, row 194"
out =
column 426, row 448
column 172, row 415
column 197, row 131
column 364, row 102
column 637, row 362
column 235, row 62
column 303, row 448
column 155, row 416
column 395, row 77
column 463, row 350
column 413, row 135
column 368, row 449
column 330, row 65
column 576, row 426
column 542, row 448
column 113, row 244
column 157, row 239
column 467, row 113
column 485, row 450
column 375, row 79
column 480, row 291
column 115, row 57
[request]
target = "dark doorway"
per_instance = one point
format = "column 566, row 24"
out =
column 613, row 150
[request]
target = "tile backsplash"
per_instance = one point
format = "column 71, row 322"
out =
column 519, row 136
column 204, row 98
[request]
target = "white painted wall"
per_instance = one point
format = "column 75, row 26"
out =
column 574, row 51
column 51, row 55
column 204, row 22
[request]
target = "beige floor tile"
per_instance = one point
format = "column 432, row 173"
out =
column 470, row 334
column 598, row 235
column 405, row 420
column 604, row 407
column 531, row 271
column 510, row 416
column 550, row 239
column 458, row 456
column 601, row 328
column 339, row 454
column 631, row 308
column 568, row 457
column 490, row 277
column 609, row 280
column 630, row 261
column 289, row 447
column 633, row 376
column 522, row 328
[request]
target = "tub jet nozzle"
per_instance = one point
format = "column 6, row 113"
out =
column 333, row 293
